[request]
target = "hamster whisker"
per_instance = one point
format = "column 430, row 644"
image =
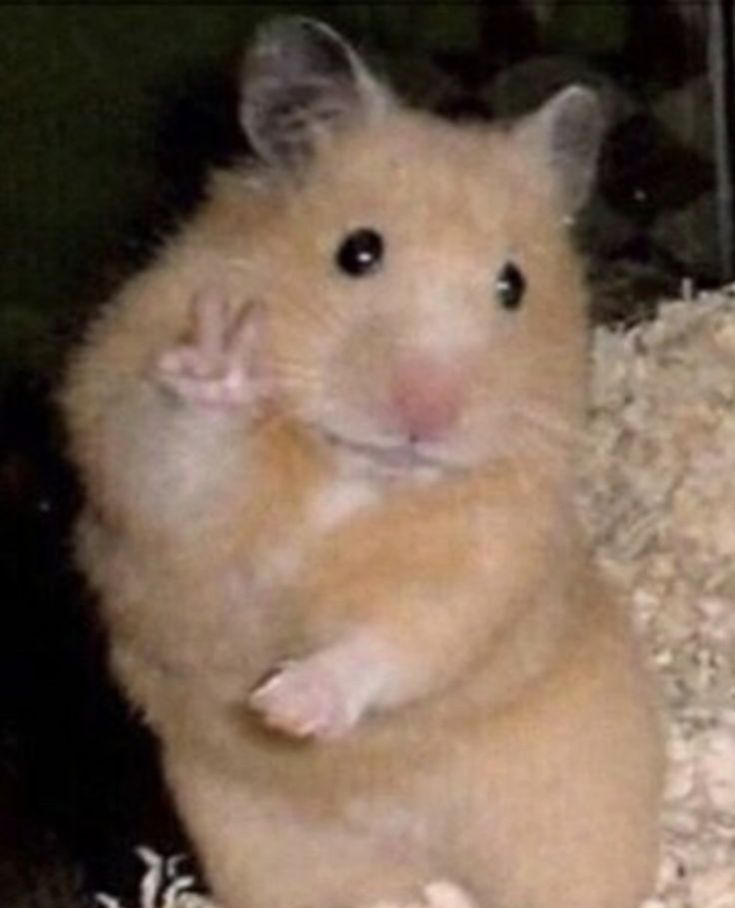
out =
column 539, row 434
column 541, row 419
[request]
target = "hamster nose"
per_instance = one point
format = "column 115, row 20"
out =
column 426, row 397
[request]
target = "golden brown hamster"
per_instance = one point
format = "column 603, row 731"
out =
column 328, row 446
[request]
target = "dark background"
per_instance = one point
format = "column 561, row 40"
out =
column 110, row 116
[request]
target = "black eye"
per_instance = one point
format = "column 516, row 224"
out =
column 361, row 252
column 510, row 286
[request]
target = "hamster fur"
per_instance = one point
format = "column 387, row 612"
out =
column 329, row 484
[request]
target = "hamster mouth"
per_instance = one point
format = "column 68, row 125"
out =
column 400, row 458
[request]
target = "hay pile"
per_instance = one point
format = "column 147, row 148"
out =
column 660, row 502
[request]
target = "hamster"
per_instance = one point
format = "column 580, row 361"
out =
column 327, row 441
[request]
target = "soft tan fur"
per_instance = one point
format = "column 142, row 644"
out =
column 508, row 740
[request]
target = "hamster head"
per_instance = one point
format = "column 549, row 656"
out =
column 423, row 300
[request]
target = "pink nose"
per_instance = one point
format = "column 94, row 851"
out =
column 426, row 397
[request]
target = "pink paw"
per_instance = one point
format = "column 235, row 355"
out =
column 216, row 367
column 305, row 699
column 439, row 894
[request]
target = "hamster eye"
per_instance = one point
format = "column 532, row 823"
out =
column 360, row 252
column 510, row 286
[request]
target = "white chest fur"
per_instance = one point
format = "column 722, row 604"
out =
column 333, row 503
column 357, row 484
column 340, row 499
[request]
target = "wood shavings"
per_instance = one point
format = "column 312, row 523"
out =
column 163, row 885
column 659, row 500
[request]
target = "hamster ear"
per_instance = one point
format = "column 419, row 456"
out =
column 568, row 132
column 302, row 82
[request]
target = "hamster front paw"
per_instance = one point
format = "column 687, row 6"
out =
column 217, row 366
column 327, row 693
column 306, row 699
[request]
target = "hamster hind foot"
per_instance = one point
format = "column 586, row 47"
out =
column 439, row 894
